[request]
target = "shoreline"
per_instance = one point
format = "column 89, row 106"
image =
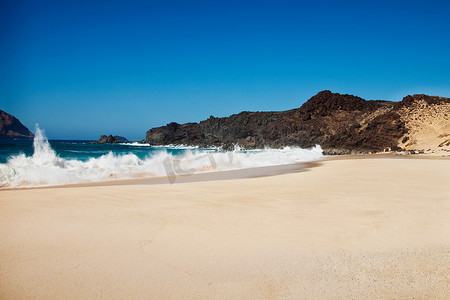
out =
column 254, row 172
column 237, row 173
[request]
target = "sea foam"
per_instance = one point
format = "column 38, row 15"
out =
column 46, row 168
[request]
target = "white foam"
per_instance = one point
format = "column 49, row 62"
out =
column 135, row 144
column 182, row 147
column 46, row 168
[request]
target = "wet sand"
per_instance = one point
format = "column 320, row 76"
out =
column 350, row 228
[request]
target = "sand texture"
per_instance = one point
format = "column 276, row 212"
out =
column 428, row 126
column 358, row 228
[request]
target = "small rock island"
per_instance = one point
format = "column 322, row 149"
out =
column 110, row 139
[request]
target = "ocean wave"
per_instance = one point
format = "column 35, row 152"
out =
column 135, row 144
column 181, row 147
column 46, row 168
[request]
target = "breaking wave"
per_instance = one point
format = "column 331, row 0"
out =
column 46, row 168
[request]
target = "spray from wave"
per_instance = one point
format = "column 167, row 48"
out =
column 46, row 168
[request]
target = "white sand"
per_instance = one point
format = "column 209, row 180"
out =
column 362, row 228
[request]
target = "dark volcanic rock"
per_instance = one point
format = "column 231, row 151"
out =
column 339, row 123
column 104, row 139
column 12, row 128
column 409, row 100
column 121, row 139
column 177, row 134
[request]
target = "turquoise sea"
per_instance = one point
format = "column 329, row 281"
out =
column 42, row 162
column 82, row 150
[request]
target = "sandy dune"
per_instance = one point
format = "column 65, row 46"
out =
column 428, row 125
column 366, row 228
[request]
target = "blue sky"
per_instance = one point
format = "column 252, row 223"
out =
column 85, row 68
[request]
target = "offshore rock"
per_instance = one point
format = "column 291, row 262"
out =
column 104, row 139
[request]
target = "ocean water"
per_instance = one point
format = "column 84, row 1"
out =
column 56, row 162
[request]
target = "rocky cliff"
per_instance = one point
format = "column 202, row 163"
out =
column 12, row 128
column 339, row 123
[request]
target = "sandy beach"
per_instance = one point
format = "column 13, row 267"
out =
column 375, row 228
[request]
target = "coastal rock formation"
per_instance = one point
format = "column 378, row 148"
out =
column 121, row 139
column 104, row 139
column 339, row 123
column 12, row 128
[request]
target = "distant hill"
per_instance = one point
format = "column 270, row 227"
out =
column 12, row 128
column 339, row 123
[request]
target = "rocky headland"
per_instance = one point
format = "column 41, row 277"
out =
column 341, row 124
column 12, row 128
